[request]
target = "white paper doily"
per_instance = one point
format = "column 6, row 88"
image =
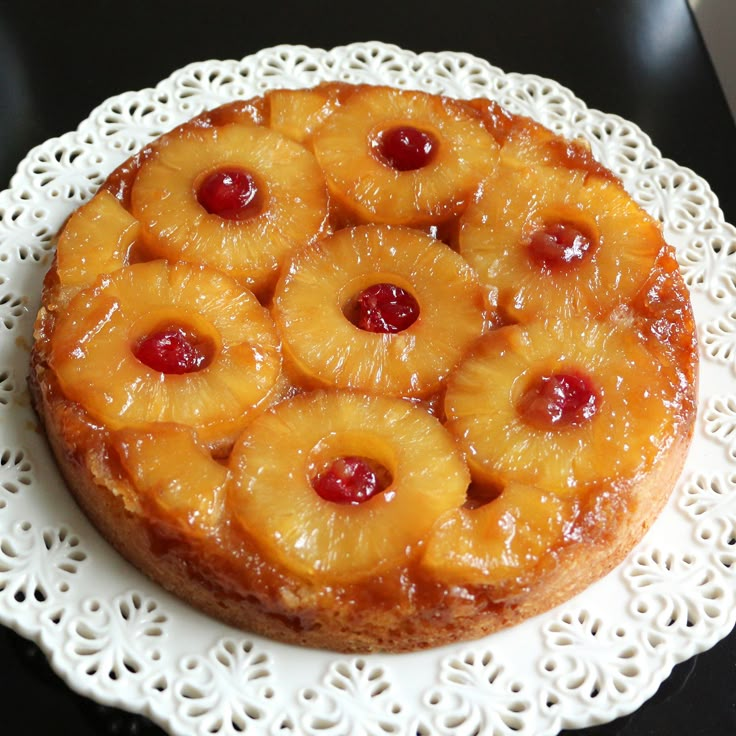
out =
column 118, row 638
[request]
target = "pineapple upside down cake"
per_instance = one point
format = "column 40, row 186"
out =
column 366, row 369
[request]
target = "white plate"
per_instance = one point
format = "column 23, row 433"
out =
column 121, row 640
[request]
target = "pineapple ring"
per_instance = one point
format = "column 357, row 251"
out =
column 311, row 297
column 177, row 227
column 96, row 239
column 483, row 395
column 507, row 544
column 528, row 143
column 190, row 493
column 297, row 113
column 375, row 192
column 93, row 357
column 273, row 500
column 496, row 228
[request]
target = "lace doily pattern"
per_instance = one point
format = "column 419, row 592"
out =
column 118, row 638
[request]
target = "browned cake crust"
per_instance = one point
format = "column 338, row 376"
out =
column 232, row 571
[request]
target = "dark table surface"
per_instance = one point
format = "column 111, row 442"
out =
column 641, row 59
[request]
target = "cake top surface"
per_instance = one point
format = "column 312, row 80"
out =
column 584, row 615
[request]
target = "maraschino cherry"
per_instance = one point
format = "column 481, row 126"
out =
column 559, row 244
column 347, row 480
column 406, row 148
column 559, row 400
column 230, row 193
column 172, row 350
column 385, row 308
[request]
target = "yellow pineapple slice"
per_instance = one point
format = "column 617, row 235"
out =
column 297, row 113
column 507, row 543
column 175, row 476
column 279, row 187
column 402, row 157
column 527, row 143
column 663, row 313
column 316, row 298
column 278, row 458
column 557, row 241
column 96, row 239
column 231, row 338
column 497, row 120
column 245, row 112
column 562, row 404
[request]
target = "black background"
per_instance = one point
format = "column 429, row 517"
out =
column 641, row 59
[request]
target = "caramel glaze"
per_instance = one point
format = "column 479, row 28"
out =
column 227, row 574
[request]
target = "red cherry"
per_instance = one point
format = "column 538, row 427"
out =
column 559, row 400
column 405, row 148
column 230, row 193
column 347, row 480
column 385, row 308
column 559, row 244
column 171, row 350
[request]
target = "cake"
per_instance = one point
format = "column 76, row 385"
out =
column 366, row 369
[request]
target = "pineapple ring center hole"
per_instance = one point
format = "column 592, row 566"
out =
column 560, row 240
column 173, row 347
column 480, row 495
column 230, row 192
column 350, row 468
column 383, row 307
column 404, row 147
column 558, row 399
